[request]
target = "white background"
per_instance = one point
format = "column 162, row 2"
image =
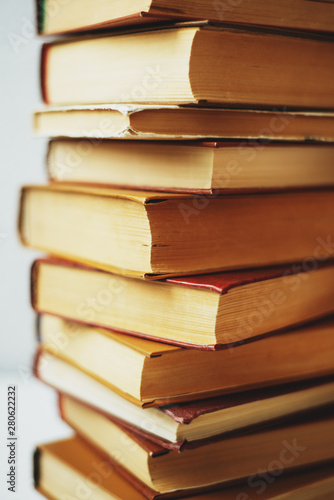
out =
column 22, row 162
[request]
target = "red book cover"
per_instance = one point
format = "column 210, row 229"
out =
column 154, row 450
column 185, row 413
column 219, row 283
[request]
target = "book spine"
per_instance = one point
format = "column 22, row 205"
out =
column 20, row 218
column 167, row 445
column 40, row 15
column 43, row 72
column 61, row 406
column 145, row 490
column 35, row 365
column 33, row 285
column 51, row 178
column 38, row 328
column 37, row 468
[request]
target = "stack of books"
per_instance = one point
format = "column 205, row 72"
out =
column 185, row 305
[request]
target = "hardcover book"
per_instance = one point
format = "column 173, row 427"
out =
column 88, row 14
column 159, row 473
column 183, row 425
column 209, row 311
column 122, row 121
column 191, row 65
column 185, row 308
column 61, row 467
column 152, row 374
column 198, row 168
column 159, row 234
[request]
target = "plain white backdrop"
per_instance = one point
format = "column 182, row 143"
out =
column 22, row 162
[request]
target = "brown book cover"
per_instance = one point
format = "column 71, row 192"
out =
column 220, row 283
column 297, row 427
column 215, row 81
column 78, row 458
column 301, row 15
column 185, row 413
column 158, row 122
column 275, row 360
column 139, row 19
column 178, row 234
column 250, row 154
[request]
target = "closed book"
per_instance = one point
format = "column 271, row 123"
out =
column 68, row 468
column 164, row 473
column 209, row 311
column 152, row 374
column 121, row 121
column 186, row 425
column 163, row 233
column 87, row 15
column 191, row 65
column 199, row 168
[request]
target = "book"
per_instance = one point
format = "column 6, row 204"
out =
column 160, row 472
column 89, row 15
column 176, row 426
column 181, row 66
column 152, row 374
column 144, row 122
column 66, row 468
column 198, row 168
column 140, row 232
column 206, row 312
